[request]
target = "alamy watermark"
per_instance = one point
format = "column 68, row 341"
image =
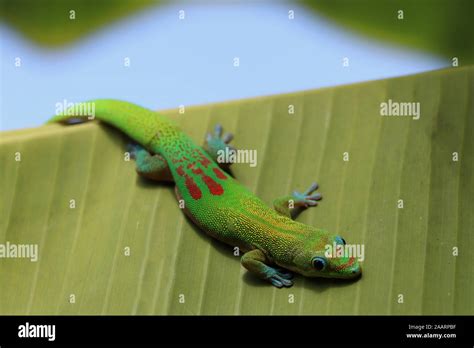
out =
column 347, row 251
column 66, row 108
column 230, row 155
column 28, row 330
column 26, row 251
column 393, row 108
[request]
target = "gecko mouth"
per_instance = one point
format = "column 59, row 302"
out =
column 352, row 272
column 356, row 271
column 350, row 269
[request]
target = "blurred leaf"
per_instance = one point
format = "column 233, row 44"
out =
column 443, row 27
column 408, row 251
column 48, row 22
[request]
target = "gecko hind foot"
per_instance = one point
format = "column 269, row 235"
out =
column 133, row 149
column 150, row 166
column 308, row 198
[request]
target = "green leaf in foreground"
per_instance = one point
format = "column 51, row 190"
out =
column 443, row 27
column 408, row 251
column 50, row 22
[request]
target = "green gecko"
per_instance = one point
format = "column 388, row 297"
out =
column 275, row 245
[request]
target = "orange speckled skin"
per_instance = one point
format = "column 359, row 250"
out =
column 216, row 202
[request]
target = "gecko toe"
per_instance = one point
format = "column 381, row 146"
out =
column 227, row 138
column 316, row 197
column 314, row 186
column 280, row 282
column 308, row 198
column 276, row 282
column 285, row 282
column 279, row 277
column 218, row 130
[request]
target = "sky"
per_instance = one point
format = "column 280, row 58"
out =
column 191, row 61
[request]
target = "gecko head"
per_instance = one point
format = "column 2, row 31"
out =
column 328, row 256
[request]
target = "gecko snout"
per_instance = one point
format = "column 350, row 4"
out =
column 356, row 271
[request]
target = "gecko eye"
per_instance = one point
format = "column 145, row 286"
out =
column 319, row 263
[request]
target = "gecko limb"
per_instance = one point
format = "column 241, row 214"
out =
column 284, row 205
column 256, row 262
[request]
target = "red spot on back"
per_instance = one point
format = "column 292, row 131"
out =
column 193, row 189
column 204, row 160
column 180, row 171
column 219, row 173
column 215, row 188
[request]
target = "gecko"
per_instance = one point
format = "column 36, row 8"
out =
column 274, row 244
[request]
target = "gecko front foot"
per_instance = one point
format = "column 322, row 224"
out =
column 257, row 262
column 307, row 198
column 217, row 146
column 280, row 278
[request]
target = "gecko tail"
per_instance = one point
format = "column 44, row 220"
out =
column 138, row 123
column 70, row 120
column 76, row 113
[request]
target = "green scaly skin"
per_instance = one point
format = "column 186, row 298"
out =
column 222, row 207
